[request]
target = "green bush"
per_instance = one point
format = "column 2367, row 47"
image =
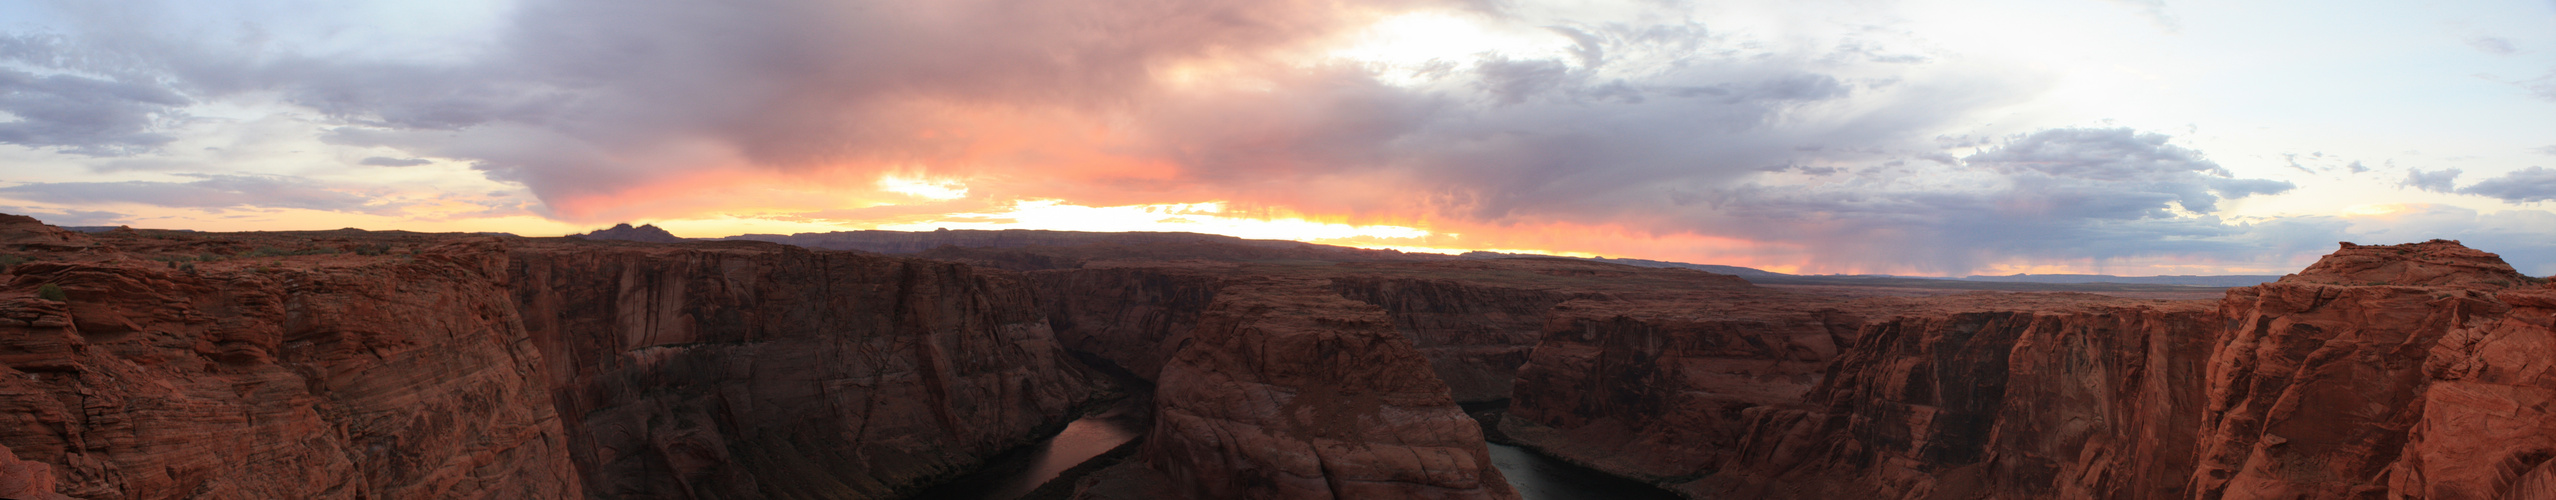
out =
column 53, row 293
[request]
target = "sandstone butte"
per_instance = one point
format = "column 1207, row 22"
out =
column 352, row 364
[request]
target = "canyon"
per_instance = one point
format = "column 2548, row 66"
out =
column 385, row 364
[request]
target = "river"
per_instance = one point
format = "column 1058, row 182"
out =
column 1535, row 476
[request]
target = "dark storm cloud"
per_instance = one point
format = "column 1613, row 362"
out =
column 2443, row 181
column 381, row 161
column 2531, row 184
column 209, row 192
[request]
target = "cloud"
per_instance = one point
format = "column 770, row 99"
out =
column 2531, row 184
column 2493, row 45
column 381, row 161
column 611, row 110
column 2442, row 181
column 2155, row 10
column 2061, row 193
column 216, row 192
column 2546, row 150
column 2544, row 86
column 84, row 115
column 71, row 217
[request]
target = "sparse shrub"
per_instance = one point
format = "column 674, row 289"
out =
column 52, row 292
column 373, row 250
column 8, row 261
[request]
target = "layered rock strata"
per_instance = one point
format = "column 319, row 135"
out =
column 2417, row 369
column 1475, row 335
column 2045, row 396
column 2413, row 371
column 754, row 370
column 301, row 377
column 1287, row 390
column 347, row 364
column 1657, row 389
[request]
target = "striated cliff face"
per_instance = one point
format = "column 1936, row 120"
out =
column 1475, row 320
column 285, row 377
column 1287, row 390
column 1657, row 389
column 2419, row 370
column 1475, row 335
column 2040, row 396
column 347, row 364
column 750, row 370
column 1134, row 317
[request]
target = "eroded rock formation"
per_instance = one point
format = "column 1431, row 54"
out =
column 2032, row 396
column 1287, row 390
column 2418, row 370
column 755, row 370
column 318, row 377
column 346, row 364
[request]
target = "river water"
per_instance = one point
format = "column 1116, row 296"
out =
column 1536, row 477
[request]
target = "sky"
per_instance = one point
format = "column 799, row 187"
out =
column 1914, row 137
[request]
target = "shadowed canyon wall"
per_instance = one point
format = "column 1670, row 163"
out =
column 347, row 364
column 1289, row 391
column 763, row 371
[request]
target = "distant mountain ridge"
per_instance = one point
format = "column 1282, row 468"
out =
column 647, row 233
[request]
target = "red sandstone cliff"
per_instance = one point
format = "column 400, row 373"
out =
column 1287, row 390
column 279, row 377
column 755, row 370
column 1656, row 388
column 347, row 364
column 2030, row 396
column 2415, row 371
column 1475, row 320
column 1474, row 334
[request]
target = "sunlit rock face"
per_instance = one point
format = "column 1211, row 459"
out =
column 755, row 370
column 2418, row 370
column 312, row 376
column 1287, row 390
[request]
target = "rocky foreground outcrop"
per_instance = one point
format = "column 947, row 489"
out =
column 349, row 364
column 325, row 377
column 1287, row 390
column 2414, row 371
